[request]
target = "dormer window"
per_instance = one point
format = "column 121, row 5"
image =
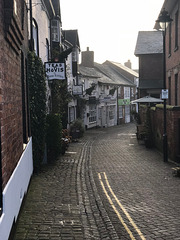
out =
column 55, row 31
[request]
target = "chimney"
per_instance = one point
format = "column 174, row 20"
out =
column 87, row 58
column 128, row 64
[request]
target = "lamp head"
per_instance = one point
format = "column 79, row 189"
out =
column 164, row 19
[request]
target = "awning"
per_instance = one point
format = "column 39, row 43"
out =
column 147, row 99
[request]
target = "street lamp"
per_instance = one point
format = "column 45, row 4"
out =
column 163, row 20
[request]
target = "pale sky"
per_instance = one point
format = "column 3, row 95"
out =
column 110, row 27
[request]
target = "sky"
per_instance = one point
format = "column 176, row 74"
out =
column 110, row 27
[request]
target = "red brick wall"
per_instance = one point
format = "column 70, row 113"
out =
column 10, row 97
column 173, row 59
column 150, row 67
column 173, row 128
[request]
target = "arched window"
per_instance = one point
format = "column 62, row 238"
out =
column 47, row 49
column 35, row 37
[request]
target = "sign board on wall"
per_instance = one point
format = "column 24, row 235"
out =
column 164, row 93
column 123, row 102
column 55, row 70
column 77, row 90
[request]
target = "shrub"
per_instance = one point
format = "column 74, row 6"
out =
column 37, row 99
column 75, row 126
column 53, row 136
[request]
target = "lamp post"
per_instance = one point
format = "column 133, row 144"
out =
column 163, row 20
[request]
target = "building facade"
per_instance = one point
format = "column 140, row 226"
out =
column 16, row 165
column 108, row 89
column 149, row 50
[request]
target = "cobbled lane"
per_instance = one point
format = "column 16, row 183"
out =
column 106, row 186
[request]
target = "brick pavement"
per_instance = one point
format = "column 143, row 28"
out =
column 65, row 200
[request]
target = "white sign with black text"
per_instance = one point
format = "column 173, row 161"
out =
column 77, row 90
column 164, row 93
column 55, row 70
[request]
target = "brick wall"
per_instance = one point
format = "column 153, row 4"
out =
column 10, row 88
column 151, row 67
column 172, row 57
column 173, row 128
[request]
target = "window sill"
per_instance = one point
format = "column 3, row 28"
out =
column 176, row 48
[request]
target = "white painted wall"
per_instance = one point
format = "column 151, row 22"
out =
column 40, row 15
column 14, row 191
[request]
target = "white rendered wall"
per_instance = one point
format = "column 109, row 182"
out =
column 14, row 191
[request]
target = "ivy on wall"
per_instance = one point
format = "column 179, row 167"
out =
column 37, row 99
column 60, row 99
column 53, row 136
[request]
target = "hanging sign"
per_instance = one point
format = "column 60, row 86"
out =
column 77, row 90
column 164, row 93
column 55, row 70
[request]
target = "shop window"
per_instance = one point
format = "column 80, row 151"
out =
column 92, row 113
column 120, row 111
column 71, row 114
column 126, row 92
column 111, row 112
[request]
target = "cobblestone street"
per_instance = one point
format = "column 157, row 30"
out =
column 106, row 186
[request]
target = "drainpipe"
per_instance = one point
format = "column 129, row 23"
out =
column 31, row 45
column 117, row 107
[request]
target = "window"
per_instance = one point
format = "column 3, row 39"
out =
column 55, row 31
column 102, row 88
column 176, row 30
column 119, row 91
column 169, row 80
column 126, row 92
column 27, row 99
column 47, row 49
column 92, row 113
column 170, row 32
column 111, row 112
column 120, row 111
column 71, row 114
column 176, row 89
column 35, row 37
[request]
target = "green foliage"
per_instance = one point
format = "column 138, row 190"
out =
column 37, row 99
column 77, row 125
column 53, row 137
column 112, row 91
column 60, row 99
column 90, row 89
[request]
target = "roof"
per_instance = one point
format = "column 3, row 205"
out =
column 104, row 74
column 72, row 37
column 147, row 99
column 94, row 73
column 113, row 74
column 120, row 67
column 56, row 5
column 89, row 72
column 149, row 42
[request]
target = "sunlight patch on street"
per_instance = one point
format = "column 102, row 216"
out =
column 104, row 181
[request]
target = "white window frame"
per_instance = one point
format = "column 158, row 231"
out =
column 92, row 113
column 55, row 30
